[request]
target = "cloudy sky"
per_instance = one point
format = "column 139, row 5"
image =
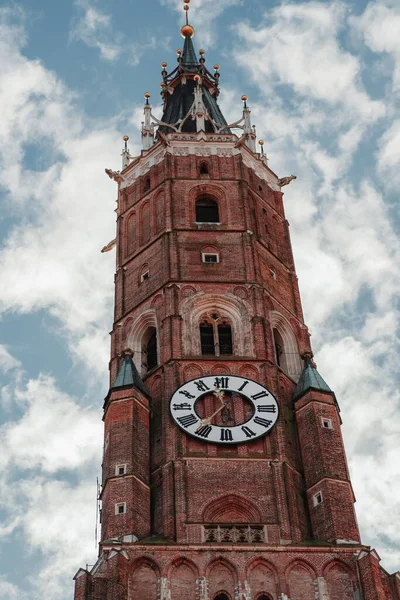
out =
column 323, row 79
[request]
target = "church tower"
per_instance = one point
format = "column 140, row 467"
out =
column 224, row 471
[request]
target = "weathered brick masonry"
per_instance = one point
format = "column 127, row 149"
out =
column 182, row 517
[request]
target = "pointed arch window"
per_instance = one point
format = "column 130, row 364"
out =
column 207, row 211
column 285, row 346
column 222, row 596
column 216, row 336
column 146, row 186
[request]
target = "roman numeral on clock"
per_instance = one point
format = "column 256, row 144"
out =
column 259, row 395
column 271, row 408
column 249, row 433
column 226, row 435
column 184, row 406
column 204, row 431
column 187, row 420
column 262, row 422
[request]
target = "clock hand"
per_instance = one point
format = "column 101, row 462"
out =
column 208, row 420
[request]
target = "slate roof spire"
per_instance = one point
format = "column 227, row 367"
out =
column 128, row 376
column 310, row 379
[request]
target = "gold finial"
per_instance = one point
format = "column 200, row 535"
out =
column 147, row 95
column 197, row 78
column 164, row 65
column 216, row 67
column 261, row 142
column 202, row 52
column 179, row 52
column 244, row 98
column 126, row 138
column 187, row 30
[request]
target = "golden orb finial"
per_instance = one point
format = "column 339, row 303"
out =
column 244, row 98
column 126, row 138
column 147, row 95
column 164, row 65
column 197, row 78
column 187, row 30
column 202, row 52
column 261, row 142
column 216, row 67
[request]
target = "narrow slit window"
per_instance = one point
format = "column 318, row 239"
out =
column 327, row 423
column 147, row 184
column 120, row 470
column 207, row 211
column 144, row 276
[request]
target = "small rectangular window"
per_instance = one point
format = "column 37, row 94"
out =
column 106, row 442
column 120, row 470
column 120, row 508
column 326, row 423
column 317, row 498
column 210, row 258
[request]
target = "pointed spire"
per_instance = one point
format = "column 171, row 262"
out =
column 189, row 57
column 310, row 379
column 128, row 376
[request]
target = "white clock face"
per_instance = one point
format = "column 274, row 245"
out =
column 224, row 409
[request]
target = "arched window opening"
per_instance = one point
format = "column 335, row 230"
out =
column 207, row 211
column 263, row 597
column 221, row 596
column 146, row 184
column 204, row 169
column 149, row 350
column 216, row 336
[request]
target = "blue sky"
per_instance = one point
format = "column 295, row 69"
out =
column 323, row 80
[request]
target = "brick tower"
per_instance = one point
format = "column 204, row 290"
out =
column 224, row 471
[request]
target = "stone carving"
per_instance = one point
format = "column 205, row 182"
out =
column 286, row 180
column 247, row 534
column 165, row 591
column 115, row 175
column 202, row 586
column 199, row 151
column 183, row 151
column 224, row 152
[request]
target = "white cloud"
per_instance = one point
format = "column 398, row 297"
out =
column 379, row 25
column 94, row 29
column 7, row 362
column 389, row 156
column 53, row 434
column 298, row 46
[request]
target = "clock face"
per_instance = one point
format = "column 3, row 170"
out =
column 224, row 409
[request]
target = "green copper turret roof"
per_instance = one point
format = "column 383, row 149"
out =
column 128, row 376
column 310, row 379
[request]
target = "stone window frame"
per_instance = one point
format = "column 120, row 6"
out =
column 327, row 423
column 117, row 508
column 118, row 468
column 318, row 498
